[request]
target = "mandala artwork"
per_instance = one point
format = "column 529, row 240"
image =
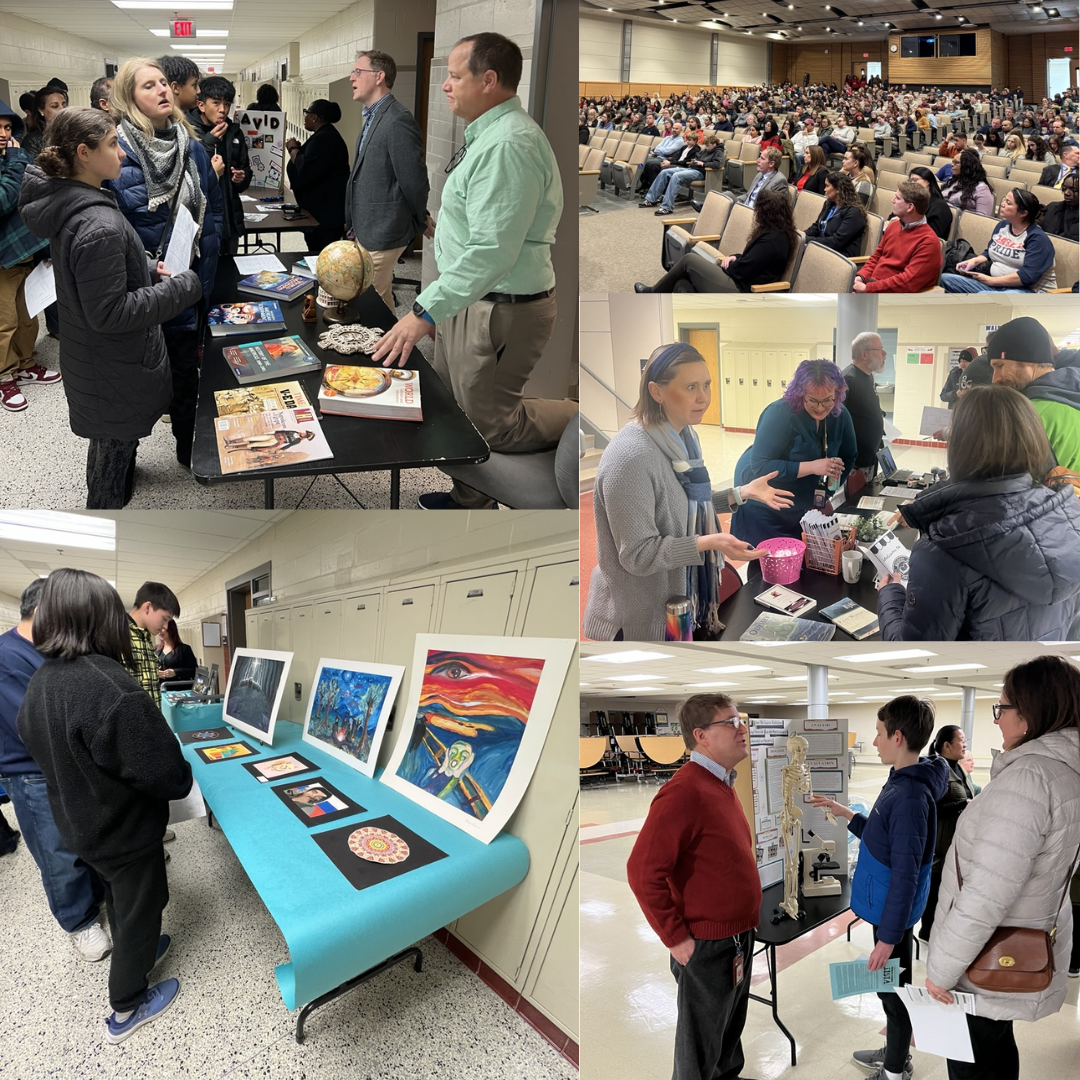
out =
column 378, row 846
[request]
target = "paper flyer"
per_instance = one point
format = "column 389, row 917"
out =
column 854, row 977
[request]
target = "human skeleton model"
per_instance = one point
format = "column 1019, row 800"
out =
column 796, row 780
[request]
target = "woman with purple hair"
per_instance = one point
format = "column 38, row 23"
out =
column 807, row 440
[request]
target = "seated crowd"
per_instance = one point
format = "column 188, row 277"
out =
column 807, row 140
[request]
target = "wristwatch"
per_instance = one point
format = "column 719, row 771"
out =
column 420, row 313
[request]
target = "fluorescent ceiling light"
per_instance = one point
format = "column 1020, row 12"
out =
column 841, row 693
column 732, row 670
column 704, row 685
column 944, row 667
column 58, row 529
column 171, row 5
column 200, row 34
column 631, row 678
column 895, row 654
column 631, row 690
column 201, row 48
column 796, row 678
column 631, row 656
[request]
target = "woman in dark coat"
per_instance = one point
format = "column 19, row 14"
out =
column 999, row 555
column 842, row 220
column 176, row 660
column 950, row 744
column 112, row 305
column 318, row 173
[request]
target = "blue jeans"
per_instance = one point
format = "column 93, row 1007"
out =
column 961, row 283
column 667, row 184
column 73, row 889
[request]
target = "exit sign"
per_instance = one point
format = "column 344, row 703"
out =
column 181, row 28
column 865, row 55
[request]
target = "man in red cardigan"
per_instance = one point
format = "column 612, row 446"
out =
column 908, row 256
column 693, row 872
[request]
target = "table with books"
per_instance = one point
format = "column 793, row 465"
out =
column 273, row 403
column 815, row 590
column 271, row 218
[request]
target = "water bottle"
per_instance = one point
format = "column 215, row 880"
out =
column 678, row 619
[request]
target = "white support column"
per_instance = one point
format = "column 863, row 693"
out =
column 817, row 692
column 967, row 712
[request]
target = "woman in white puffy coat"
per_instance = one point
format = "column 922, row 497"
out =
column 1017, row 849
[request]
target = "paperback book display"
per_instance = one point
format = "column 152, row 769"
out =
column 770, row 627
column 371, row 391
column 278, row 286
column 268, row 440
column 257, row 361
column 857, row 621
column 244, row 318
column 264, row 397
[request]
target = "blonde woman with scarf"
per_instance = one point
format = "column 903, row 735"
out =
column 655, row 509
column 164, row 168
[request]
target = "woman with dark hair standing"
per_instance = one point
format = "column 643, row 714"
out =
column 938, row 214
column 772, row 239
column 968, row 187
column 842, row 220
column 319, row 172
column 48, row 101
column 176, row 660
column 805, row 438
column 1011, row 860
column 111, row 766
column 655, row 509
column 950, row 744
column 971, row 577
column 1018, row 258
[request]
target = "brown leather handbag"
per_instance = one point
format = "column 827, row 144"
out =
column 1016, row 959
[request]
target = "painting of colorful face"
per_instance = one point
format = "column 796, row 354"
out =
column 468, row 728
column 346, row 710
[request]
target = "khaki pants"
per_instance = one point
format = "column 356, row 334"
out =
column 18, row 332
column 485, row 355
column 385, row 261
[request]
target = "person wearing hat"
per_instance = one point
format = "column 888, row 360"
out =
column 319, row 173
column 210, row 119
column 952, row 383
column 804, row 138
column 1020, row 354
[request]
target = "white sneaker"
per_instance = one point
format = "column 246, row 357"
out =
column 169, row 836
column 91, row 942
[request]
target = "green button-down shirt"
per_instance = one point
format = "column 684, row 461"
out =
column 145, row 671
column 498, row 214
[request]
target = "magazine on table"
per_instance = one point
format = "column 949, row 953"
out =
column 386, row 394
column 257, row 361
column 262, row 397
column 269, row 440
column 255, row 317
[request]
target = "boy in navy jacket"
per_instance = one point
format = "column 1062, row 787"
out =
column 892, row 876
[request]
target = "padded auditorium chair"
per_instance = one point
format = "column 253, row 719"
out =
column 707, row 226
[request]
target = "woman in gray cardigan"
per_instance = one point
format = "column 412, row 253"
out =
column 1015, row 850
column 655, row 510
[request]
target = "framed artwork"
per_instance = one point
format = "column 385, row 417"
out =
column 349, row 708
column 225, row 753
column 205, row 735
column 278, row 768
column 315, row 800
column 478, row 713
column 371, row 852
column 254, row 691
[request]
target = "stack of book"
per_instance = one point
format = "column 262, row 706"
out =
column 255, row 361
column 386, row 394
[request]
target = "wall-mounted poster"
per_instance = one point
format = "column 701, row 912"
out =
column 349, row 707
column 478, row 713
column 253, row 695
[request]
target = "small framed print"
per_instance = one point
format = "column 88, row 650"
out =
column 279, row 767
column 228, row 752
column 314, row 800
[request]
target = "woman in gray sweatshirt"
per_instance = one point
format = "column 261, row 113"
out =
column 655, row 510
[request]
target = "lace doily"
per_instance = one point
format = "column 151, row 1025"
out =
column 345, row 338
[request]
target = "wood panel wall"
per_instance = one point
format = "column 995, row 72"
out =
column 946, row 70
column 999, row 61
column 1026, row 61
column 827, row 62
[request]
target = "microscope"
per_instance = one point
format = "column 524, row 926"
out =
column 817, row 858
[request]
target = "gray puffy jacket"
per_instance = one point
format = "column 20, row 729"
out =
column 1017, row 845
column 112, row 352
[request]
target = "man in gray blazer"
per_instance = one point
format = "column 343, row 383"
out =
column 386, row 197
column 768, row 176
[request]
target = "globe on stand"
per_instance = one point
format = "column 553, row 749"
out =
column 344, row 270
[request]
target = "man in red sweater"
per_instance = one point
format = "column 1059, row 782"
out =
column 908, row 256
column 693, row 872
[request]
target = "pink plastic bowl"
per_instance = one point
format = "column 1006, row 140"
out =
column 784, row 562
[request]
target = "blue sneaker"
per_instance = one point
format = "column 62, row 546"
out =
column 162, row 948
column 157, row 1001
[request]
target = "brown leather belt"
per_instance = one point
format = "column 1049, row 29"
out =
column 513, row 298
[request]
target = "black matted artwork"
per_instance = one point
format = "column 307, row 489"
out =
column 227, row 752
column 371, row 852
column 218, row 734
column 278, row 768
column 314, row 801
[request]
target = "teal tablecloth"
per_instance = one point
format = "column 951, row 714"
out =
column 335, row 932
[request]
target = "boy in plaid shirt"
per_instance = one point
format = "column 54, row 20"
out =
column 155, row 605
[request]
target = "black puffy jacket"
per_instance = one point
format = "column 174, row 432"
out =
column 998, row 560
column 112, row 351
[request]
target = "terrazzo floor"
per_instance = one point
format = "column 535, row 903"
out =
column 229, row 1020
column 628, row 994
column 44, row 465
